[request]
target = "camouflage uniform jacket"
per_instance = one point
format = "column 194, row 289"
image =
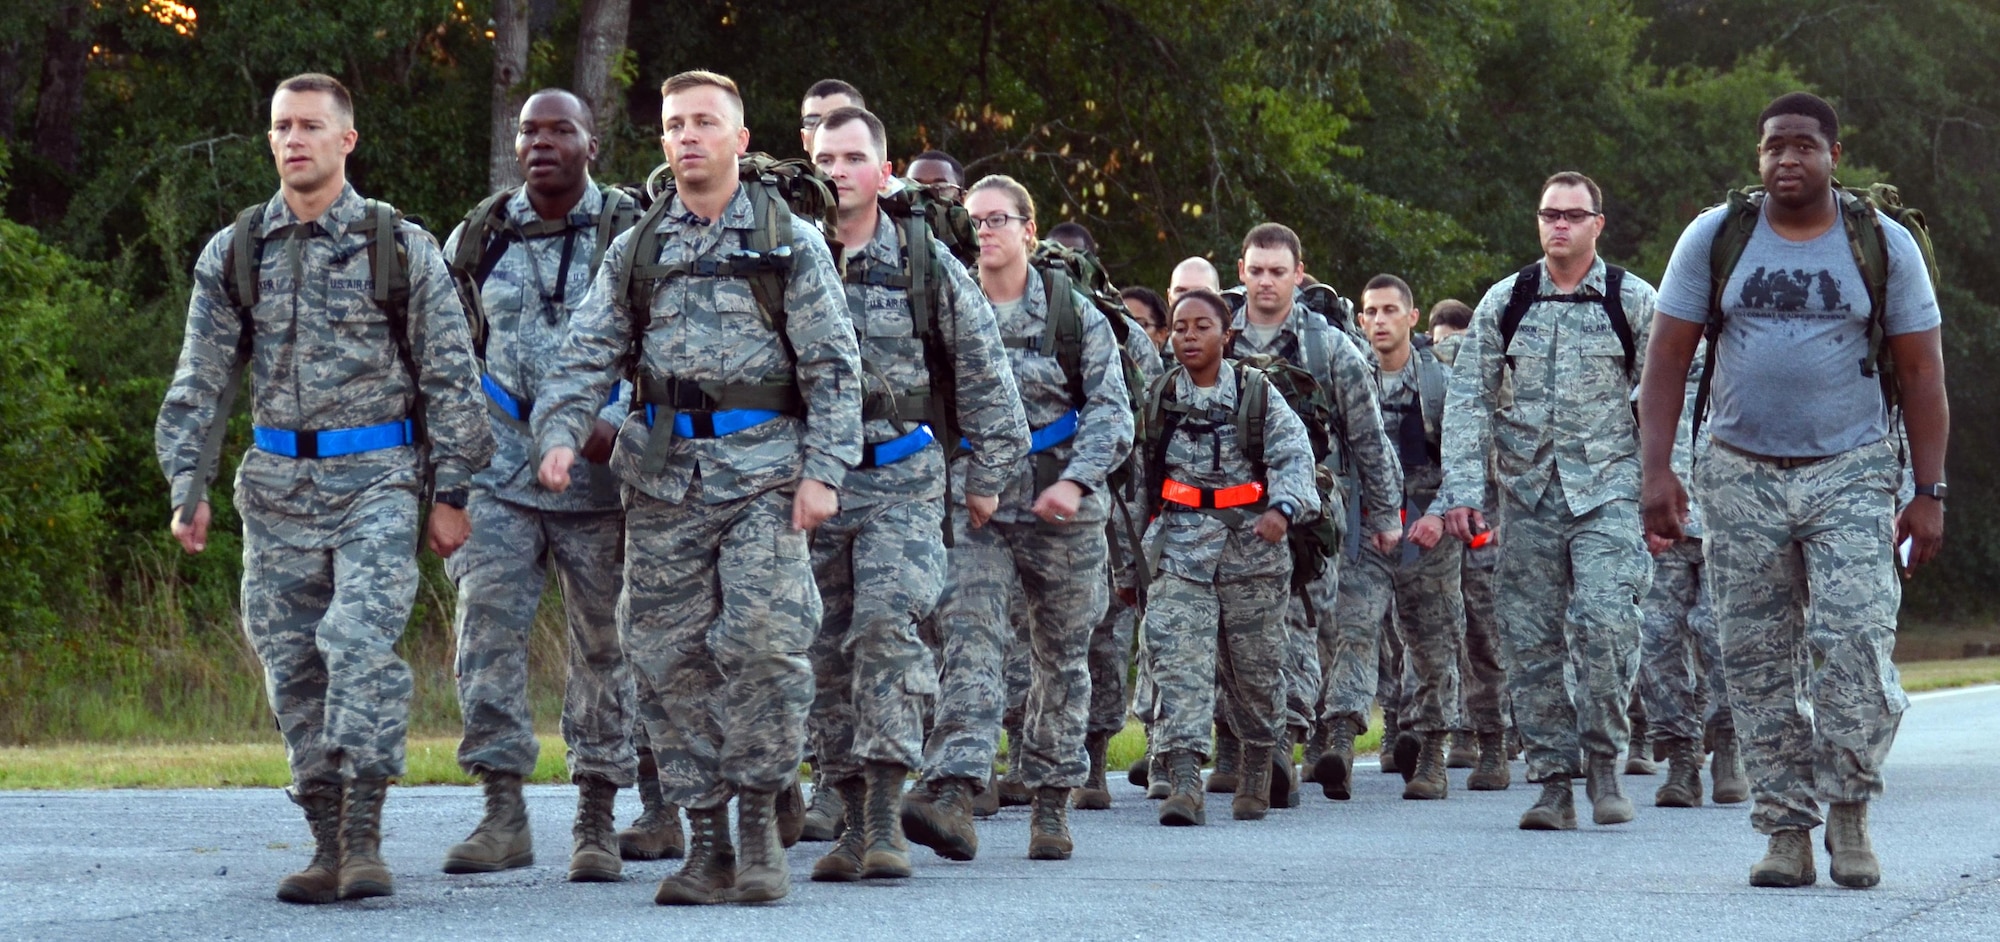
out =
column 1337, row 364
column 709, row 329
column 1201, row 548
column 1403, row 393
column 527, row 315
column 989, row 405
column 1104, row 419
column 323, row 357
column 1563, row 408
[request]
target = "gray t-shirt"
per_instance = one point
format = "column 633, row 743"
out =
column 1788, row 378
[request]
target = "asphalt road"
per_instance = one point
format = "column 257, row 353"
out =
column 202, row 865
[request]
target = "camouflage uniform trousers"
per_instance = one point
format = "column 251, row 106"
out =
column 1415, row 606
column 324, row 603
column 1111, row 666
column 500, row 573
column 718, row 613
column 1680, row 665
column 1571, row 582
column 1185, row 620
column 1307, row 641
column 880, row 570
column 1800, row 563
column 1486, row 708
column 1060, row 571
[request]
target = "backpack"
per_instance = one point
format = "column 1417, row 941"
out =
column 1310, row 545
column 942, row 207
column 1066, row 272
column 1418, row 430
column 242, row 261
column 1858, row 208
column 1527, row 290
column 487, row 233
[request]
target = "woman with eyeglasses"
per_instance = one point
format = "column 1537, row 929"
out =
column 1047, row 536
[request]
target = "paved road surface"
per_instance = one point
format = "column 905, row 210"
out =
column 202, row 864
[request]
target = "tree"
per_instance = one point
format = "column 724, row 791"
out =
column 510, row 69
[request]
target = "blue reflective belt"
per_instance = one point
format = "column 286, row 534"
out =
column 896, row 449
column 1046, row 437
column 716, row 424
column 515, row 408
column 330, row 443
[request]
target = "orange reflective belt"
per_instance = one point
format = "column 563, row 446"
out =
column 1199, row 498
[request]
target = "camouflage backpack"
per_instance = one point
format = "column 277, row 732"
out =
column 1858, row 210
column 942, row 208
column 487, row 232
column 1066, row 272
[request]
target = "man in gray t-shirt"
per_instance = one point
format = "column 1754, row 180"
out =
column 1799, row 492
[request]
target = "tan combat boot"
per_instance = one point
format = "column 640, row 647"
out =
column 593, row 856
column 1638, row 761
column 1014, row 792
column 1254, row 789
column 319, row 882
column 762, row 875
column 1854, row 862
column 1555, row 810
column 1391, row 734
column 791, row 811
column 1682, row 788
column 826, row 816
column 1284, row 787
column 502, row 840
column 887, row 856
column 656, row 832
column 842, row 864
column 708, row 873
column 1428, row 782
column 1095, row 795
column 1492, row 773
column 1141, row 771
column 1157, row 785
column 1731, row 785
column 940, row 818
column 1228, row 760
column 362, row 872
column 1048, row 826
column 1608, row 804
column 1788, row 861
column 1184, row 804
column 1335, row 769
column 1318, row 739
column 1464, row 750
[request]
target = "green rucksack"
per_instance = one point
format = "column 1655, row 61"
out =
column 1858, row 209
column 942, row 207
column 487, row 232
column 1066, row 272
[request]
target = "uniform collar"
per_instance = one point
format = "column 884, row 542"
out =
column 1591, row 285
column 584, row 214
column 346, row 209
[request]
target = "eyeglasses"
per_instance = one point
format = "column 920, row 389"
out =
column 995, row 221
column 1574, row 216
column 810, row 122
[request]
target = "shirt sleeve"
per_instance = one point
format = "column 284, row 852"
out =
column 1684, row 289
column 1913, row 305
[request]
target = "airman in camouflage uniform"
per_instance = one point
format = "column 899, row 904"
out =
column 1553, row 407
column 880, row 562
column 1047, row 535
column 722, row 481
column 1412, row 596
column 1800, row 481
column 1330, row 677
column 521, row 530
column 1224, row 571
column 329, row 496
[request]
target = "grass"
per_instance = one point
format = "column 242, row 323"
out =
column 1939, row 675
column 220, row 764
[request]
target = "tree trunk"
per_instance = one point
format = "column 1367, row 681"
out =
column 65, row 51
column 510, row 69
column 599, row 44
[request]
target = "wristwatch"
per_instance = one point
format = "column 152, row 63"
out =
column 1285, row 507
column 452, row 498
column 1933, row 491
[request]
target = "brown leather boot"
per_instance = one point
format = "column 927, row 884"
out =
column 1682, row 789
column 1492, row 773
column 1228, row 760
column 1638, row 760
column 362, row 872
column 1284, row 788
column 985, row 804
column 1788, row 862
column 1428, row 782
column 791, row 813
column 940, row 818
column 1157, row 786
column 319, row 882
column 1318, row 738
column 1048, row 826
column 1141, row 771
column 1391, row 734
column 1854, row 862
column 1555, row 810
column 502, row 840
column 762, row 875
column 708, row 873
column 656, row 832
column 1335, row 769
column 593, row 856
column 887, row 855
column 1464, row 750
column 1731, row 785
column 1184, row 804
column 842, row 864
column 1608, row 804
column 1095, row 795
column 1253, row 790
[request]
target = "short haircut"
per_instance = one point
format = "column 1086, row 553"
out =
column 1077, row 230
column 1380, row 282
column 848, row 114
column 1804, row 104
column 698, row 78
column 582, row 104
column 826, row 87
column 1573, row 178
column 1023, row 203
column 1274, row 235
column 1207, row 297
column 321, row 82
column 1452, row 313
column 1148, row 297
column 957, row 169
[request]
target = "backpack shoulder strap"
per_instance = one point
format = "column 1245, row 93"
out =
column 1871, row 257
column 1253, row 403
column 619, row 212
column 243, row 258
column 1741, row 210
column 1160, row 423
column 1062, row 336
column 772, row 241
column 1614, row 308
column 1431, row 389
column 641, row 270
column 1527, row 285
column 470, row 259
